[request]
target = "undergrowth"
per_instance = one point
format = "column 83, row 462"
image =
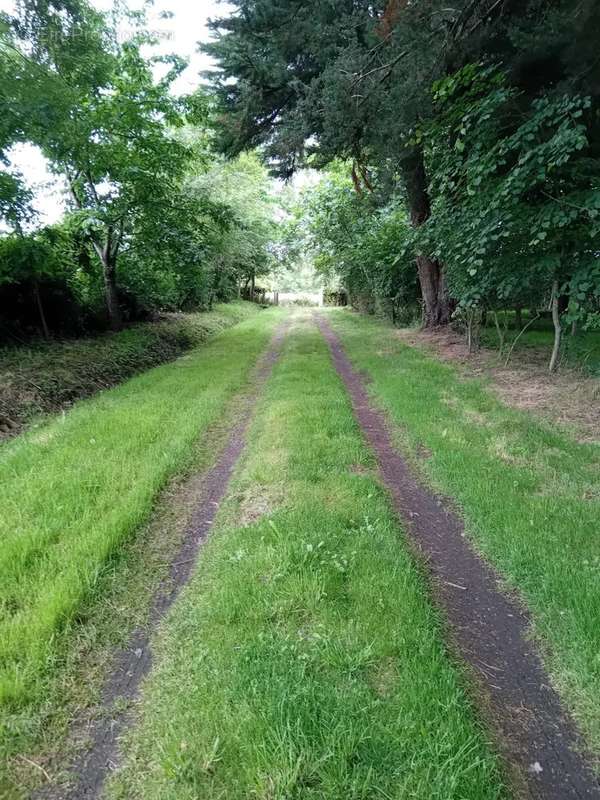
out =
column 44, row 377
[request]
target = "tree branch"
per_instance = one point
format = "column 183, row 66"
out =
column 389, row 67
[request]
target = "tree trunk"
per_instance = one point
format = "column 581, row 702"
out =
column 473, row 323
column 436, row 307
column 500, row 332
column 519, row 317
column 252, row 286
column 107, row 253
column 109, row 269
column 557, row 327
column 115, row 320
column 563, row 303
column 40, row 308
column 436, row 304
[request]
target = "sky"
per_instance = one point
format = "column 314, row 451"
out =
column 179, row 35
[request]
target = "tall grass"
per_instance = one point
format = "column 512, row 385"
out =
column 529, row 493
column 304, row 661
column 75, row 489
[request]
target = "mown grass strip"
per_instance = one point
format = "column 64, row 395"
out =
column 304, row 660
column 530, row 495
column 74, row 490
column 43, row 377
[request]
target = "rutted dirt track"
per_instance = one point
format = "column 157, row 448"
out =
column 133, row 663
column 489, row 630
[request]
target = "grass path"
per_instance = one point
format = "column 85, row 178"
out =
column 76, row 490
column 304, row 660
column 86, row 771
column 530, row 495
column 488, row 629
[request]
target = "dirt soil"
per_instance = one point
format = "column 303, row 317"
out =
column 133, row 662
column 568, row 398
column 489, row 630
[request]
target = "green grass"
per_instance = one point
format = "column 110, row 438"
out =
column 121, row 602
column 304, row 660
column 42, row 377
column 581, row 350
column 530, row 495
column 75, row 490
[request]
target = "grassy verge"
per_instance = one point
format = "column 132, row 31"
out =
column 75, row 490
column 304, row 661
column 45, row 377
column 530, row 495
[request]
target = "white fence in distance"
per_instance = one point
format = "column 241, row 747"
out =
column 296, row 298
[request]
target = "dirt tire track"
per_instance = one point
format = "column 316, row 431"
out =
column 489, row 630
column 133, row 662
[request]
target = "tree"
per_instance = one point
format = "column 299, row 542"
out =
column 15, row 200
column 241, row 248
column 517, row 196
column 123, row 164
column 111, row 128
column 338, row 81
column 355, row 238
column 165, row 222
column 352, row 81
